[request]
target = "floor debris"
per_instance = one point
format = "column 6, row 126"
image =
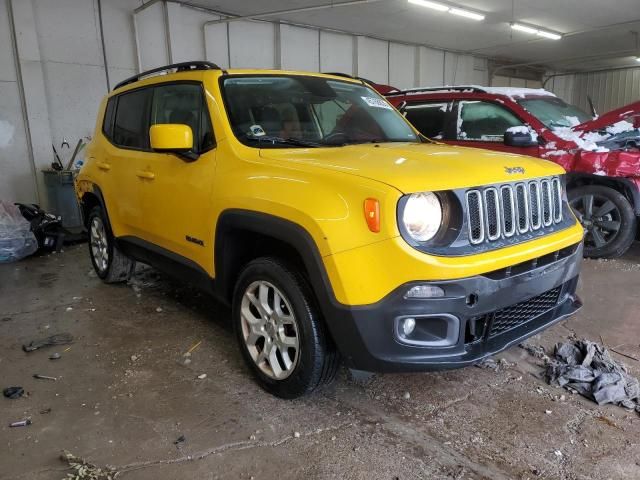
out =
column 83, row 470
column 58, row 339
column 13, row 392
column 587, row 368
column 21, row 423
column 180, row 439
column 37, row 376
column 55, row 356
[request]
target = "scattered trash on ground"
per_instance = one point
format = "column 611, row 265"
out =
column 37, row 376
column 13, row 392
column 491, row 364
column 534, row 350
column 180, row 439
column 58, row 339
column 587, row 368
column 17, row 241
column 83, row 470
column 202, row 377
column 55, row 356
column 45, row 411
column 296, row 434
column 21, row 423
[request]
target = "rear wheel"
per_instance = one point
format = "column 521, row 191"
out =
column 110, row 264
column 281, row 335
column 607, row 217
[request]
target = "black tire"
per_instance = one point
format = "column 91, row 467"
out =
column 608, row 218
column 316, row 359
column 112, row 266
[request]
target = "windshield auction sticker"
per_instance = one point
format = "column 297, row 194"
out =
column 376, row 102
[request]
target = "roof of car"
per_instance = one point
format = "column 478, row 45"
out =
column 512, row 92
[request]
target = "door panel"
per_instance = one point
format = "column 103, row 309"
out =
column 177, row 194
column 126, row 155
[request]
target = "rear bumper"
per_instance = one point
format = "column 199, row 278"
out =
column 478, row 317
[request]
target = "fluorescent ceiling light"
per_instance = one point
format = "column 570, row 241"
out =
column 536, row 31
column 433, row 5
column 551, row 35
column 523, row 28
column 466, row 13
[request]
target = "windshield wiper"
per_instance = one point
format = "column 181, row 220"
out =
column 283, row 141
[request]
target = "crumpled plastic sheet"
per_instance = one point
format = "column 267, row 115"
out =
column 588, row 368
column 16, row 238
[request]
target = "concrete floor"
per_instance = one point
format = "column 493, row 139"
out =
column 125, row 394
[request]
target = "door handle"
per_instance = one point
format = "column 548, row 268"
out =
column 146, row 174
column 104, row 166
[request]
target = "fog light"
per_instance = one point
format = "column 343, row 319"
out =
column 408, row 326
column 424, row 291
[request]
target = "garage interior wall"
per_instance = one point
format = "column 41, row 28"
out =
column 608, row 89
column 52, row 78
column 53, row 75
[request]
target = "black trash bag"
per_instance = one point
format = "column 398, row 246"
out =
column 46, row 227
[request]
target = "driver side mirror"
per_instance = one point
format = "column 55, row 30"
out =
column 173, row 138
column 519, row 139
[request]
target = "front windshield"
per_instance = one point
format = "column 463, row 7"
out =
column 554, row 112
column 290, row 111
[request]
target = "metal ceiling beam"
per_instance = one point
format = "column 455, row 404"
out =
column 289, row 11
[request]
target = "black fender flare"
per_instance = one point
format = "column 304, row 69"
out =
column 279, row 229
column 337, row 317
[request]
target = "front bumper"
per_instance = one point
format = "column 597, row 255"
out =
column 478, row 317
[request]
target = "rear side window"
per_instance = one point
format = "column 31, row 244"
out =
column 428, row 118
column 107, row 126
column 131, row 126
column 484, row 121
column 184, row 103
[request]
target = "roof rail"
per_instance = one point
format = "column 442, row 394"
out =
column 178, row 67
column 346, row 75
column 461, row 88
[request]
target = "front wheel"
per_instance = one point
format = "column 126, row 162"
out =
column 281, row 335
column 607, row 217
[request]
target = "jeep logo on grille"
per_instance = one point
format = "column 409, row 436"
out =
column 512, row 170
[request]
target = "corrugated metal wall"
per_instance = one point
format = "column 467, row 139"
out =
column 608, row 89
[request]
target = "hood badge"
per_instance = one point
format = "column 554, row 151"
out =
column 513, row 170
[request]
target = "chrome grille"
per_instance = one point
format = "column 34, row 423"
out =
column 501, row 212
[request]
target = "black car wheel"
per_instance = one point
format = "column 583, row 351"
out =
column 110, row 264
column 607, row 217
column 281, row 335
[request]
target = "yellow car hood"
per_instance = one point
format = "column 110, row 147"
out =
column 414, row 167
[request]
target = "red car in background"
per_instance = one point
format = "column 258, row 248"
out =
column 600, row 153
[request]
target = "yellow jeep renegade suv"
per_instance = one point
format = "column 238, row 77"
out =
column 329, row 224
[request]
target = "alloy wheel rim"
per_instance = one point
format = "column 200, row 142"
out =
column 270, row 330
column 98, row 242
column 600, row 218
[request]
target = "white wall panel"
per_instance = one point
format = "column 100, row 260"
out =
column 217, row 44
column 299, row 48
column 186, row 32
column 458, row 69
column 336, row 52
column 608, row 90
column 252, row 44
column 16, row 179
column 152, row 37
column 373, row 59
column 402, row 65
column 431, row 67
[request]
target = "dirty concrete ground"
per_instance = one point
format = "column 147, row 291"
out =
column 124, row 393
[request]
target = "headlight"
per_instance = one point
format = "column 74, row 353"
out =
column 422, row 216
